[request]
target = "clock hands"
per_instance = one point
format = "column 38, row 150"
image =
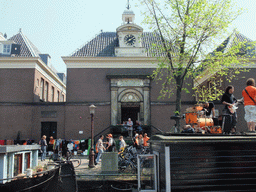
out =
column 130, row 39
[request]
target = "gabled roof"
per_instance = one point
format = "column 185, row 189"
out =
column 233, row 39
column 27, row 49
column 104, row 44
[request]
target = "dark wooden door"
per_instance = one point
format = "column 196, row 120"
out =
column 130, row 112
column 49, row 129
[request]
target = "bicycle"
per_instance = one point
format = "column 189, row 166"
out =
column 58, row 158
column 127, row 159
column 75, row 160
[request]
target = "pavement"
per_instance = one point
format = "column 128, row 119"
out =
column 92, row 178
column 82, row 169
column 85, row 173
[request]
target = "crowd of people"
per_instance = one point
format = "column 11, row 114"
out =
column 138, row 141
column 131, row 127
column 54, row 146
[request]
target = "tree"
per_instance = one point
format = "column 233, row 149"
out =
column 189, row 31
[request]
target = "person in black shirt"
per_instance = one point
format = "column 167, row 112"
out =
column 43, row 145
column 229, row 117
column 208, row 111
column 208, row 108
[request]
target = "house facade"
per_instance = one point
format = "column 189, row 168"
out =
column 27, row 82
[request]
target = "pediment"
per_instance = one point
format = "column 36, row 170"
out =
column 129, row 28
column 130, row 97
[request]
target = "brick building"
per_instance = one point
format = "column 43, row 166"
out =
column 27, row 82
column 112, row 71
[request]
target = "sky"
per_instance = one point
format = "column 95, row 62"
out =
column 59, row 27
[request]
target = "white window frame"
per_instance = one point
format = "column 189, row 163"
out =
column 52, row 94
column 46, row 91
column 7, row 49
column 42, row 89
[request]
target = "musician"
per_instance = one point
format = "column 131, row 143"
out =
column 249, row 94
column 209, row 109
column 229, row 116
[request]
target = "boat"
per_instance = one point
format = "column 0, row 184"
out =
column 60, row 178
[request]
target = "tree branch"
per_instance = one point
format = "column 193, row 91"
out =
column 162, row 38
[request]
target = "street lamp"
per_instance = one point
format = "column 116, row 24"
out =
column 91, row 154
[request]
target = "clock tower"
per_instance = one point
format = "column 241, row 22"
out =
column 129, row 35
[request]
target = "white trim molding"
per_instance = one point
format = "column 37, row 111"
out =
column 110, row 62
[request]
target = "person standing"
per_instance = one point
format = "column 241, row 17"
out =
column 130, row 126
column 249, row 94
column 122, row 143
column 64, row 147
column 70, row 146
column 145, row 140
column 111, row 143
column 229, row 115
column 136, row 141
column 100, row 148
column 51, row 145
column 141, row 141
column 43, row 145
column 138, row 126
column 58, row 145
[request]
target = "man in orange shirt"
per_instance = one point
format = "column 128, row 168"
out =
column 145, row 139
column 249, row 94
column 51, row 145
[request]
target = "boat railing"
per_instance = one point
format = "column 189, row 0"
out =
column 41, row 173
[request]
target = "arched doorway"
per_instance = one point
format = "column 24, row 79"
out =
column 130, row 105
column 130, row 98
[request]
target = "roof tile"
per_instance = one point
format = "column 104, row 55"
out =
column 27, row 49
column 104, row 44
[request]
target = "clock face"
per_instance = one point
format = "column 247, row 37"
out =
column 129, row 39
